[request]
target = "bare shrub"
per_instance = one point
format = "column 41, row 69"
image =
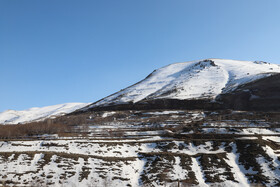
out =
column 31, row 129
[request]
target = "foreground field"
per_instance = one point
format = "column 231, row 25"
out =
column 149, row 148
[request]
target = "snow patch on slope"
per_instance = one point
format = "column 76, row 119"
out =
column 36, row 113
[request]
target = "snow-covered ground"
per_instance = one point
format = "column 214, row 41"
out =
column 129, row 151
column 117, row 163
column 195, row 79
column 36, row 113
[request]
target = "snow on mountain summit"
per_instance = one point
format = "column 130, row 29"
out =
column 36, row 113
column 192, row 80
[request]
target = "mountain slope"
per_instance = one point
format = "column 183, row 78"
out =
column 195, row 80
column 34, row 114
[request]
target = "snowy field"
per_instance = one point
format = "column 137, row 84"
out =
column 150, row 148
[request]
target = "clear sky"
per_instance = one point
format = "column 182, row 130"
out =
column 58, row 51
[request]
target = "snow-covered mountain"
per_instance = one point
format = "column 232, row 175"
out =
column 34, row 114
column 202, row 79
column 195, row 80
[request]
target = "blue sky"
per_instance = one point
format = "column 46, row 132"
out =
column 54, row 52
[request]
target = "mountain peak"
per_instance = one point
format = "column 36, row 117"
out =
column 201, row 79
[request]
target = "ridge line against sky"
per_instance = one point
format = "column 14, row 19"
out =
column 54, row 52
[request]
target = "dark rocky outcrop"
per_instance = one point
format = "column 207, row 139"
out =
column 263, row 95
column 164, row 104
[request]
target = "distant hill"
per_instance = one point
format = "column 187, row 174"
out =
column 36, row 113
